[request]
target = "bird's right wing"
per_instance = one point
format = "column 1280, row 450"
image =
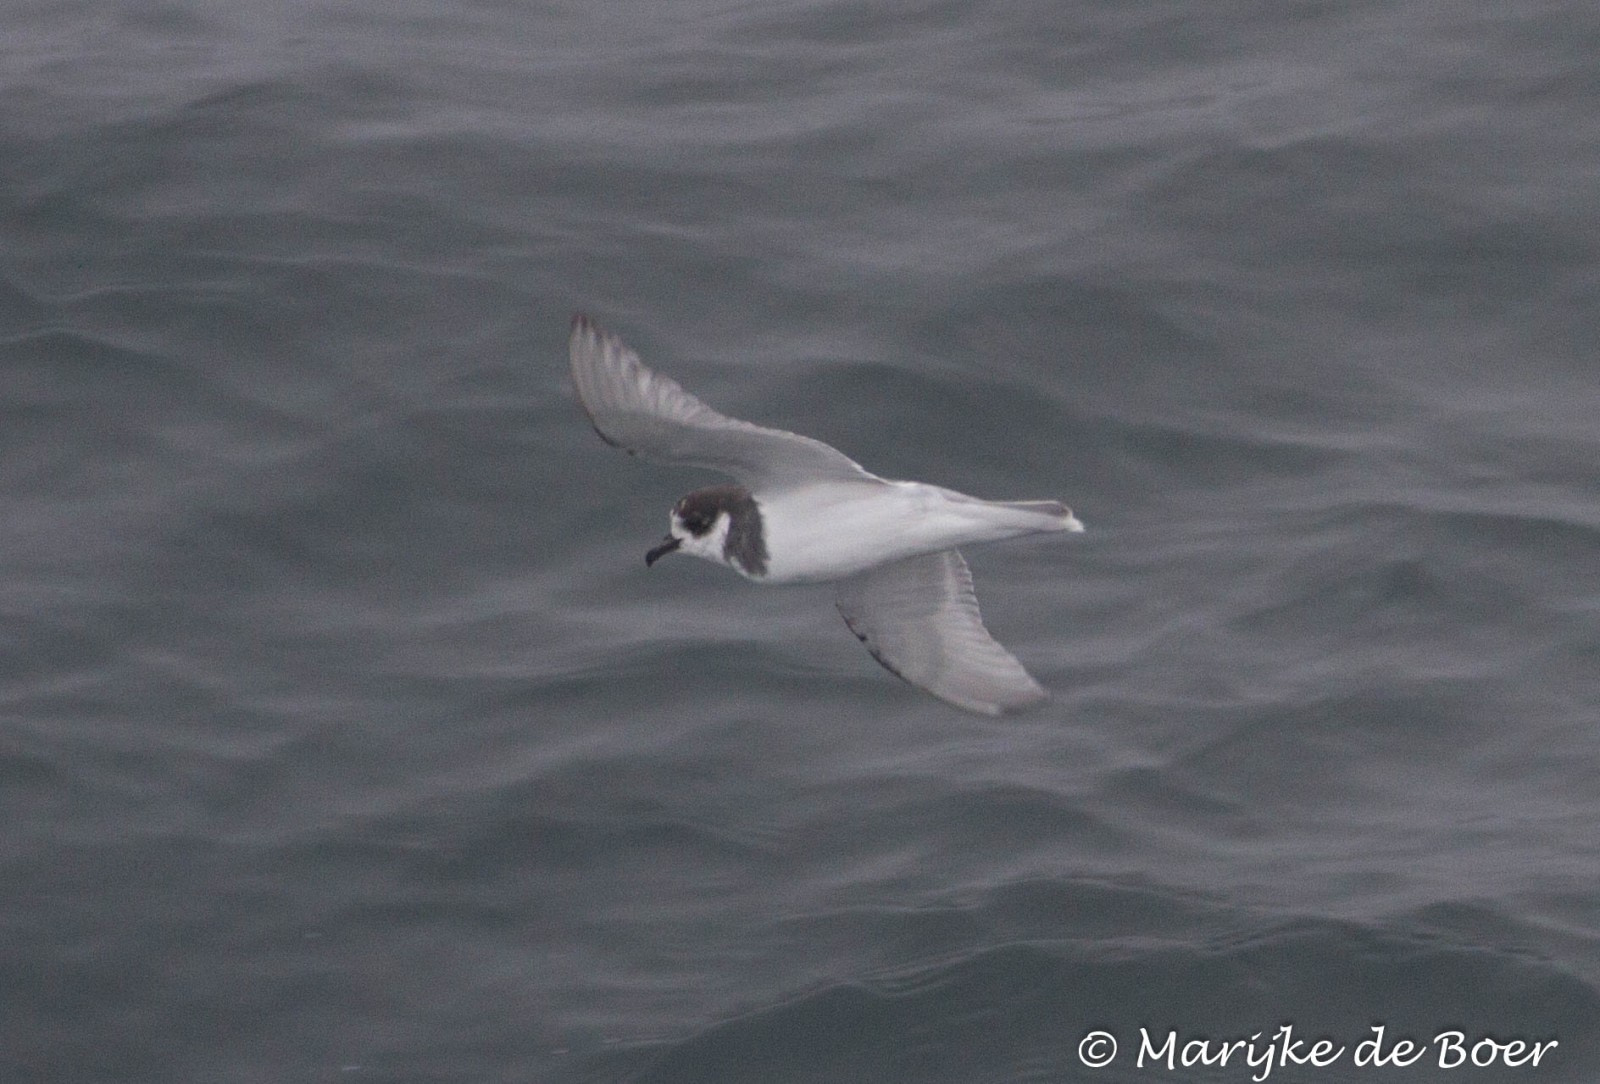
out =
column 919, row 618
column 644, row 412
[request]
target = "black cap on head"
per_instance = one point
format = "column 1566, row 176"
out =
column 698, row 514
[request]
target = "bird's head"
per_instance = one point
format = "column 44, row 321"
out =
column 720, row 524
column 696, row 527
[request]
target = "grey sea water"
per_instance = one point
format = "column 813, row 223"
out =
column 345, row 737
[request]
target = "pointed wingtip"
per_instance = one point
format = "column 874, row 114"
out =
column 994, row 707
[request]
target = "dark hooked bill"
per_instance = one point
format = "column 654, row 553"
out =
column 668, row 544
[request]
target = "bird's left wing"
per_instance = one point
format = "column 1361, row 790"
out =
column 919, row 618
column 642, row 411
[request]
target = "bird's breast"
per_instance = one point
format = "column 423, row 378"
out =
column 828, row 532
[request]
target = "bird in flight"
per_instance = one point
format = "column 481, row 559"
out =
column 800, row 511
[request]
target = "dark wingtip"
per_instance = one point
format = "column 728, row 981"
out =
column 581, row 321
column 605, row 438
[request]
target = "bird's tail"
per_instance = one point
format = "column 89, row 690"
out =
column 1059, row 515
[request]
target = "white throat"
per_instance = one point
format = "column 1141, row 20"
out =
column 711, row 546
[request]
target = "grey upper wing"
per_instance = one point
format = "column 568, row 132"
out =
column 919, row 618
column 642, row 411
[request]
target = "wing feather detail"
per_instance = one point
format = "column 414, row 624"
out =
column 919, row 618
column 643, row 412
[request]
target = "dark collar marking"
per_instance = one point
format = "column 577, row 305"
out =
column 746, row 544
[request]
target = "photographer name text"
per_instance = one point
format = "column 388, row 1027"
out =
column 1262, row 1052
